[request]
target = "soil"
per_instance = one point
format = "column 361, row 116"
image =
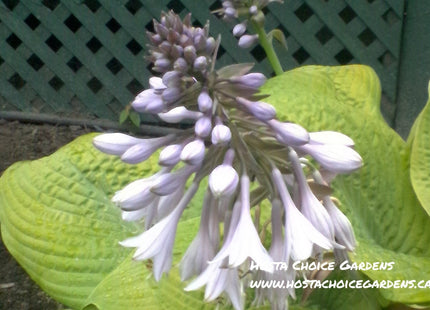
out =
column 19, row 141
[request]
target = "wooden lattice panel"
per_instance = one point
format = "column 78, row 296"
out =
column 87, row 56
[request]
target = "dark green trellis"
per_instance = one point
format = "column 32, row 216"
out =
column 87, row 56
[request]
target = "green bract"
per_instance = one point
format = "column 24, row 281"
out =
column 58, row 222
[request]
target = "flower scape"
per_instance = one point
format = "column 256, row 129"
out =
column 248, row 157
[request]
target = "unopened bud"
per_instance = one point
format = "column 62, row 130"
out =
column 180, row 65
column 200, row 63
column 239, row 29
column 148, row 101
column 190, row 54
column 203, row 127
column 178, row 114
column 223, row 181
column 114, row 143
column 289, row 133
column 194, row 152
column 170, row 155
column 261, row 110
column 204, row 101
column 251, row 80
column 221, row 134
column 248, row 40
column 171, row 94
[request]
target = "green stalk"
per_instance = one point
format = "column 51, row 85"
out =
column 268, row 48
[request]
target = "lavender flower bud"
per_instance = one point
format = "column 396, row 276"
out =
column 180, row 65
column 200, row 63
column 289, row 133
column 138, row 153
column 248, row 40
column 156, row 83
column 200, row 42
column 251, row 80
column 148, row 101
column 194, row 152
column 210, row 45
column 172, row 78
column 114, row 143
column 223, row 181
column 227, row 4
column 161, row 29
column 330, row 137
column 165, row 47
column 170, row 155
column 204, row 101
column 134, row 196
column 161, row 65
column 239, row 29
column 221, row 134
column 171, row 94
column 167, row 183
column 178, row 114
column 203, row 127
column 336, row 158
column 261, row 110
column 230, row 12
column 176, row 51
column 253, row 10
column 190, row 54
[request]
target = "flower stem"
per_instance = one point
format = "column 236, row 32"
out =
column 268, row 48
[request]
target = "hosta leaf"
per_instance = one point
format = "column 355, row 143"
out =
column 58, row 222
column 420, row 158
column 388, row 220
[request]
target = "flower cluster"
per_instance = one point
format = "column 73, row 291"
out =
column 248, row 11
column 248, row 156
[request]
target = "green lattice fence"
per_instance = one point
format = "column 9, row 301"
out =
column 86, row 57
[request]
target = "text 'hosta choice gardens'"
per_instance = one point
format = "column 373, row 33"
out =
column 249, row 158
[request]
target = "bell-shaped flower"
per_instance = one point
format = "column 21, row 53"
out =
column 330, row 137
column 311, row 207
column 217, row 280
column 170, row 155
column 223, row 181
column 157, row 242
column 205, row 244
column 247, row 40
column 245, row 241
column 336, row 158
column 193, row 152
column 203, row 126
column 342, row 226
column 115, row 143
column 261, row 110
column 204, row 101
column 221, row 134
column 252, row 80
column 178, row 114
column 289, row 133
column 300, row 234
